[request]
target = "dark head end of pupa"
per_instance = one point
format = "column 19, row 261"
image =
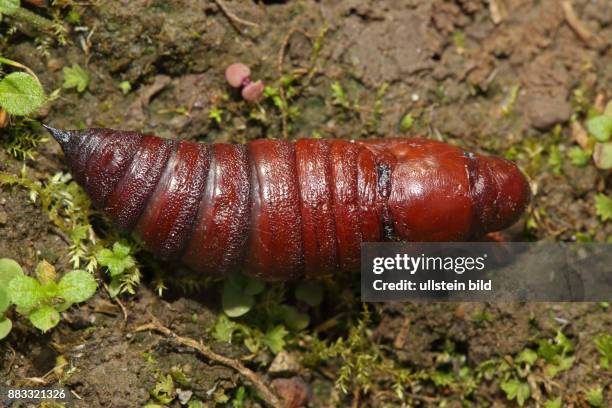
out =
column 62, row 136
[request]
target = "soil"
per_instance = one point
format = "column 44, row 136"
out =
column 453, row 65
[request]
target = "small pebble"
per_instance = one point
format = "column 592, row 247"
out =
column 294, row 391
column 284, row 363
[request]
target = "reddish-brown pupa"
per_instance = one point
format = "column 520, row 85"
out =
column 279, row 210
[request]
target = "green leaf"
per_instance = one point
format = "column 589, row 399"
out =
column 164, row 391
column 8, row 270
column 49, row 290
column 603, row 342
column 603, row 207
column 595, row 397
column 21, row 94
column 554, row 159
column 5, row 327
column 5, row 301
column 549, row 351
column 117, row 260
column 564, row 342
column 235, row 302
column 26, row 293
column 339, row 96
column 275, row 339
column 77, row 286
column 125, row 87
column 560, row 364
column 516, row 389
column 600, row 127
column 45, row 318
column 578, row 156
column 309, row 292
column 527, row 356
column 406, row 123
column 76, row 77
column 294, row 319
column 556, row 403
column 114, row 287
column 224, row 329
column 79, row 233
column 9, row 7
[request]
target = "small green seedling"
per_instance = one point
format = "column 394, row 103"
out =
column 239, row 294
column 406, row 122
column 42, row 299
column 121, row 267
column 125, row 87
column 595, row 397
column 76, row 77
column 554, row 403
column 578, row 156
column 600, row 127
column 516, row 389
column 603, row 343
column 557, row 353
column 603, row 207
column 9, row 269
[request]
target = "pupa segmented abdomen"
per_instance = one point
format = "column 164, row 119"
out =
column 280, row 210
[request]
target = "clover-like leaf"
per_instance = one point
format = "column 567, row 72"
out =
column 45, row 318
column 274, row 339
column 21, row 94
column 77, row 286
column 117, row 260
column 516, row 389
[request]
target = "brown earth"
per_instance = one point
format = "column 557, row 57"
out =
column 453, row 65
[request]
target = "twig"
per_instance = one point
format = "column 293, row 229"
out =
column 61, row 235
column 497, row 11
column 116, row 300
column 356, row 398
column 265, row 391
column 400, row 339
column 232, row 16
column 11, row 361
column 574, row 22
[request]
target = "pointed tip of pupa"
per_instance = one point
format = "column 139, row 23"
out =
column 62, row 136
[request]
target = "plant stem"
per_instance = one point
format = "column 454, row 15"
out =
column 33, row 19
column 18, row 65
